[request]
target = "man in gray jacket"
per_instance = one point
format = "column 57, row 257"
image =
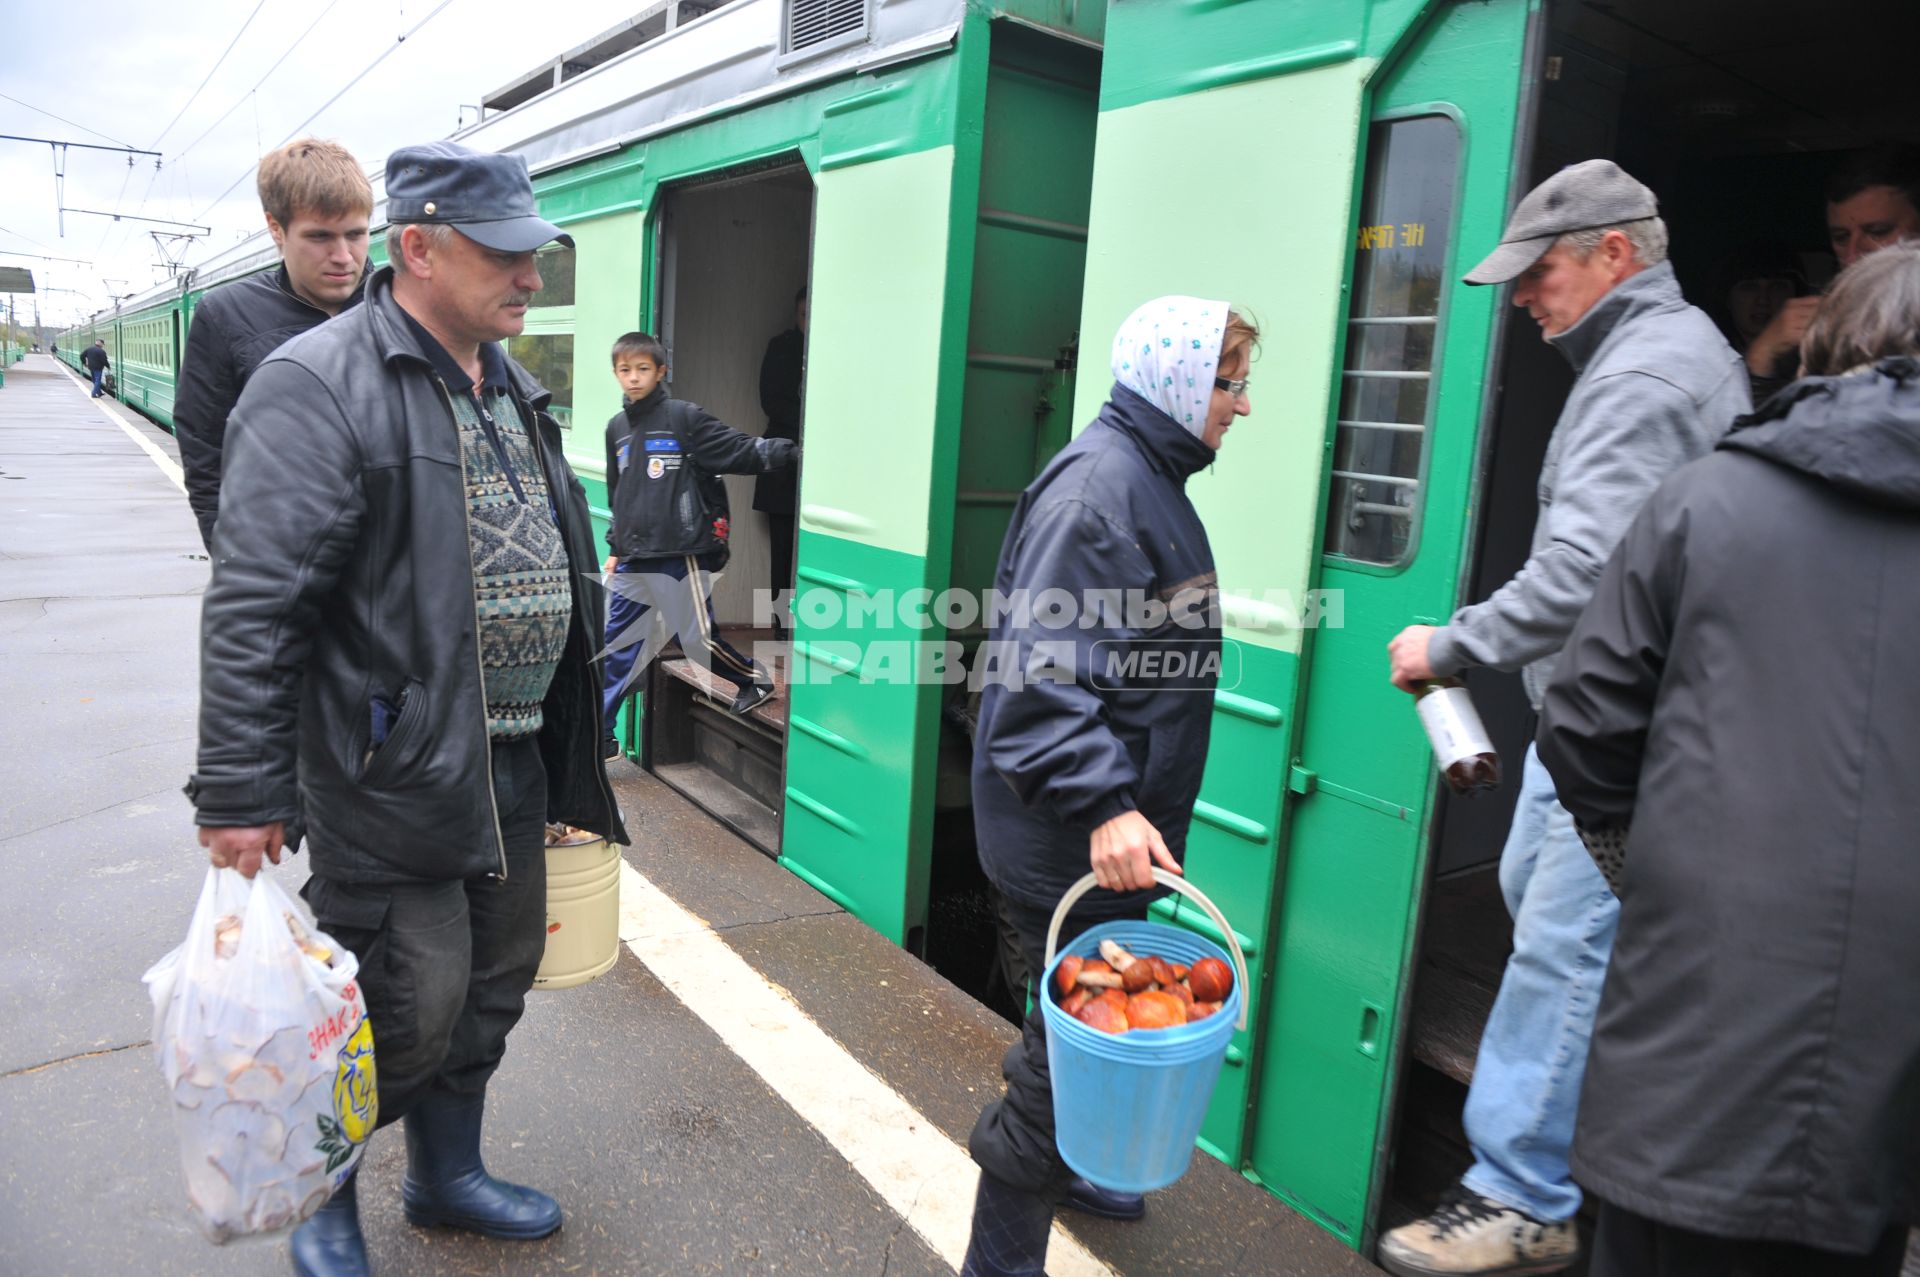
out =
column 1657, row 386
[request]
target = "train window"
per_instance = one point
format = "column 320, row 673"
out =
column 549, row 357
column 1386, row 404
column 556, row 276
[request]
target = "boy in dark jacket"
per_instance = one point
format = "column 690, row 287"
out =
column 670, row 525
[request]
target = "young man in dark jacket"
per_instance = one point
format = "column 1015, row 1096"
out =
column 397, row 663
column 317, row 202
column 1082, row 760
column 670, row 527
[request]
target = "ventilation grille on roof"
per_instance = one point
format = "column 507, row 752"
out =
column 812, row 24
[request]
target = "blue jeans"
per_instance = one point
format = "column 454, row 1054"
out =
column 98, row 374
column 1533, row 1052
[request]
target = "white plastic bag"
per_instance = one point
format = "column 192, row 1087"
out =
column 262, row 1034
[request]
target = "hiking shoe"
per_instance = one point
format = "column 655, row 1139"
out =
column 1469, row 1234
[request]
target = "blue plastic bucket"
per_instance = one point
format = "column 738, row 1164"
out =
column 1127, row 1107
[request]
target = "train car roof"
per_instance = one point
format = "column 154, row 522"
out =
column 723, row 61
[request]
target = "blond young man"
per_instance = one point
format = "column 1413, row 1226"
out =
column 317, row 203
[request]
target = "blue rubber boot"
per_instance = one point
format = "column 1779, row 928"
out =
column 1010, row 1230
column 447, row 1186
column 1090, row 1199
column 329, row 1243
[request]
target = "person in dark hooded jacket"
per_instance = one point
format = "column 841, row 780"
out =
column 1080, row 759
column 1736, row 708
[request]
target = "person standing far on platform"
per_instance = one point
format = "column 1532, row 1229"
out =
column 317, row 202
column 1734, row 716
column 1075, row 768
column 94, row 359
column 1657, row 384
column 396, row 665
column 783, row 372
column 670, row 528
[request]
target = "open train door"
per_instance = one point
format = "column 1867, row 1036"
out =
column 1333, row 166
column 887, row 309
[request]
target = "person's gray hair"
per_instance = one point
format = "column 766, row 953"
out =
column 1647, row 235
column 438, row 234
column 1867, row 314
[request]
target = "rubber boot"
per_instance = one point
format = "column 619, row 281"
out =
column 446, row 1185
column 329, row 1243
column 1010, row 1229
column 1090, row 1199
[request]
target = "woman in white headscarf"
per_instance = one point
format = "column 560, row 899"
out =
column 1085, row 759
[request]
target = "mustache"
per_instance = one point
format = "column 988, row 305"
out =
column 520, row 299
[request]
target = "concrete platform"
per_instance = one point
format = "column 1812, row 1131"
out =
column 671, row 1154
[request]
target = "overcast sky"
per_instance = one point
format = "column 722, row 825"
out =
column 122, row 70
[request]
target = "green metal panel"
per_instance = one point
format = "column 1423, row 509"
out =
column 1029, row 265
column 607, row 302
column 1264, row 226
column 860, row 750
column 1332, row 1036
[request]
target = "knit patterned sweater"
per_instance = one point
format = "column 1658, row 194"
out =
column 523, row 597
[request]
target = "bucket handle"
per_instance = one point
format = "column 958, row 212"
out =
column 1185, row 888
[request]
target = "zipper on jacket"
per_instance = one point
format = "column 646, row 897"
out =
column 479, row 665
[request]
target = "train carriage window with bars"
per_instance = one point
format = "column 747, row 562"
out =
column 1393, row 331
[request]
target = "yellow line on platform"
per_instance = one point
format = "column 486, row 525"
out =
column 168, row 466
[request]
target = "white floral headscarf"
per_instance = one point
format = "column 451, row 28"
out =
column 1167, row 353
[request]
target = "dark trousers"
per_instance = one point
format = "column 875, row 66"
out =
column 1013, row 1140
column 1630, row 1245
column 445, row 966
column 780, row 537
column 671, row 585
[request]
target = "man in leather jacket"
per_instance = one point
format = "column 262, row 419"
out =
column 396, row 665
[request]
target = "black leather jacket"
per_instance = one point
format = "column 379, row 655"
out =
column 234, row 328
column 341, row 572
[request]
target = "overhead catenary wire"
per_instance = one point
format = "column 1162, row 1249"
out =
column 295, row 132
column 220, row 61
column 64, row 120
column 244, row 97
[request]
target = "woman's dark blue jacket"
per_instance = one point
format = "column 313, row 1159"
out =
column 1106, row 709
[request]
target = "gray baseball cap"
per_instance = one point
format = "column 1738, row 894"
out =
column 487, row 197
column 1577, row 198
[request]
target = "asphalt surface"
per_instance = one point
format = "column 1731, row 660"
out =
column 669, row 1153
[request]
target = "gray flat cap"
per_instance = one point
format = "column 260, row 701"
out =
column 487, row 197
column 1577, row 198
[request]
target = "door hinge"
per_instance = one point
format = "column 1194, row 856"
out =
column 1301, row 780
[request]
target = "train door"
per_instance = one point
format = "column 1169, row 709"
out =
column 733, row 265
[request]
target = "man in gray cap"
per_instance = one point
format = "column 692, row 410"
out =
column 396, row 665
column 1657, row 385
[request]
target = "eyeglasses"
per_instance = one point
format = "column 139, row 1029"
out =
column 1236, row 388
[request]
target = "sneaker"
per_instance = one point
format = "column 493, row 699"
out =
column 610, row 749
column 1469, row 1234
column 752, row 694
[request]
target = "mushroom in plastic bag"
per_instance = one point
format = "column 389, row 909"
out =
column 261, row 1032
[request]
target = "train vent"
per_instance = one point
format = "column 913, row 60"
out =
column 815, row 26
